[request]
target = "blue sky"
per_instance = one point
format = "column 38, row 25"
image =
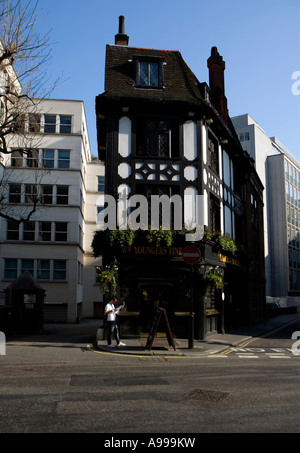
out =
column 259, row 41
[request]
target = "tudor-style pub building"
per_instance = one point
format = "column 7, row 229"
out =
column 162, row 132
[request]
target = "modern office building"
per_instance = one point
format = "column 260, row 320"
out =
column 162, row 133
column 59, row 177
column 279, row 172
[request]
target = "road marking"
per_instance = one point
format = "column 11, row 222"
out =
column 277, row 355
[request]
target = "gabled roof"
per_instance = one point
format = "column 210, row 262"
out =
column 180, row 84
column 25, row 282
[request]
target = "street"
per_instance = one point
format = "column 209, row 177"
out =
column 69, row 387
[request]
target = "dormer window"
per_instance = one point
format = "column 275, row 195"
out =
column 148, row 72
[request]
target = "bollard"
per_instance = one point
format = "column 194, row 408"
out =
column 2, row 343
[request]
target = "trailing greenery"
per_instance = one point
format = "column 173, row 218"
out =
column 112, row 240
column 160, row 237
column 215, row 279
column 107, row 280
column 226, row 243
column 120, row 237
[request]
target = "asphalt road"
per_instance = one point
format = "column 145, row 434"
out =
column 66, row 387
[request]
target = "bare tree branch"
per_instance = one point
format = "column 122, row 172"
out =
column 24, row 58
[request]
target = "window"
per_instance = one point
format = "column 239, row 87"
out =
column 34, row 123
column 101, row 183
column 50, row 124
column 27, row 265
column 10, row 268
column 157, row 138
column 214, row 214
column 47, row 193
column 148, row 72
column 17, row 158
column 32, row 160
column 63, row 159
column 19, row 122
column 28, row 231
column 15, row 193
column 30, row 193
column 62, row 195
column 45, row 231
column 48, row 158
column 244, row 137
column 43, row 269
column 254, row 211
column 99, row 210
column 12, row 233
column 59, row 270
column 61, row 231
column 65, row 124
column 213, row 153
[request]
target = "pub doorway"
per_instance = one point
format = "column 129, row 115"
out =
column 155, row 295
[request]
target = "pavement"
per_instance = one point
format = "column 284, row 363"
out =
column 214, row 343
column 85, row 334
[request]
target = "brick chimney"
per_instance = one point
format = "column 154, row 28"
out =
column 216, row 67
column 121, row 39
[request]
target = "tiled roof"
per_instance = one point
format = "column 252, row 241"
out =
column 25, row 282
column 180, row 84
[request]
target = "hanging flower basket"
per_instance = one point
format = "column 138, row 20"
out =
column 215, row 279
column 107, row 280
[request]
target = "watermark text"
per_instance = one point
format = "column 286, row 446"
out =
column 296, row 84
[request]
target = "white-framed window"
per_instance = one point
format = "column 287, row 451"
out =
column 59, row 270
column 244, row 137
column 49, row 124
column 61, row 231
column 62, row 195
column 48, row 158
column 101, row 183
column 15, row 192
column 29, row 231
column 43, row 269
column 10, row 268
column 27, row 265
column 45, row 231
column 32, row 158
column 63, row 159
column 16, row 158
column 47, row 194
column 65, row 124
column 12, row 231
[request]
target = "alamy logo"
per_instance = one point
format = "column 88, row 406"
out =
column 165, row 212
column 296, row 85
column 296, row 336
column 2, row 344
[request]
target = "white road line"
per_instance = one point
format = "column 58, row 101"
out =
column 279, row 356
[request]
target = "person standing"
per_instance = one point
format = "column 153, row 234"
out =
column 112, row 326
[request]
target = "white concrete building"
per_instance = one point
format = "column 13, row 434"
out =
column 279, row 172
column 55, row 245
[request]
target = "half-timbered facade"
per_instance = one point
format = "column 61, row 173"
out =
column 162, row 132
